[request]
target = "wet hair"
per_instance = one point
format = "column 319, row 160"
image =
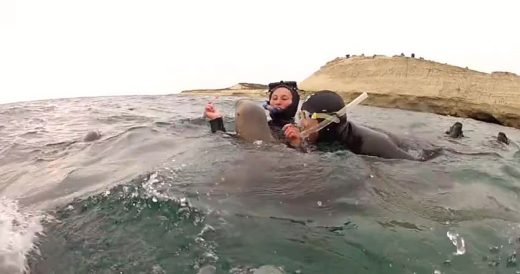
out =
column 286, row 115
column 325, row 101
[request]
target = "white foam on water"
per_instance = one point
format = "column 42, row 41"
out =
column 18, row 233
column 457, row 241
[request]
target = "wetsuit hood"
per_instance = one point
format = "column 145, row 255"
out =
column 325, row 101
column 285, row 116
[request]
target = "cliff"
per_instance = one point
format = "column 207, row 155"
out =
column 422, row 85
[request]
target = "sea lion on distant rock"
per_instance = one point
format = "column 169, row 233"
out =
column 455, row 130
column 502, row 138
column 251, row 122
column 92, row 136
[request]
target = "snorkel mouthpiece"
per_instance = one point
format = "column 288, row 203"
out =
column 272, row 110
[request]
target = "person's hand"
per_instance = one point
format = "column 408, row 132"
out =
column 211, row 111
column 292, row 134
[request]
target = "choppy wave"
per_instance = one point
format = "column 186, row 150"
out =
column 133, row 217
column 19, row 232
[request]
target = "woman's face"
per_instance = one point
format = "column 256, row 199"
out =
column 281, row 98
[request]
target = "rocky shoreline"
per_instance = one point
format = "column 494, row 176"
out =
column 411, row 84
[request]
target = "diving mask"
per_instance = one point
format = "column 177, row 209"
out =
column 328, row 117
column 333, row 117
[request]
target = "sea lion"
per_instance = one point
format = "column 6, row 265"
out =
column 455, row 130
column 92, row 136
column 251, row 122
column 502, row 138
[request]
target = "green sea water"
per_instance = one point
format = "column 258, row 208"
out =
column 158, row 193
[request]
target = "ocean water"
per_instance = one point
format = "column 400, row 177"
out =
column 159, row 193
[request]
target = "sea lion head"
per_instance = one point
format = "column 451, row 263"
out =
column 92, row 136
column 251, row 122
column 455, row 130
column 502, row 138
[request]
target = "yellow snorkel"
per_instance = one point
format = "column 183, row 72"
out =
column 331, row 118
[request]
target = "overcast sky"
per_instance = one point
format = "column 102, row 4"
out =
column 54, row 49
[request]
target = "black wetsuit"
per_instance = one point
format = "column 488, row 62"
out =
column 347, row 135
column 362, row 140
column 217, row 124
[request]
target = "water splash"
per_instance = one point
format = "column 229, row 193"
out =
column 457, row 241
column 18, row 233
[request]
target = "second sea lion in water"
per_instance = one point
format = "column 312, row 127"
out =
column 502, row 138
column 92, row 136
column 251, row 122
column 455, row 130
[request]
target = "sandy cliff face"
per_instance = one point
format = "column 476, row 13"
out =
column 415, row 84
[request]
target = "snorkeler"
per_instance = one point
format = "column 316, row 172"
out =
column 326, row 109
column 282, row 106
